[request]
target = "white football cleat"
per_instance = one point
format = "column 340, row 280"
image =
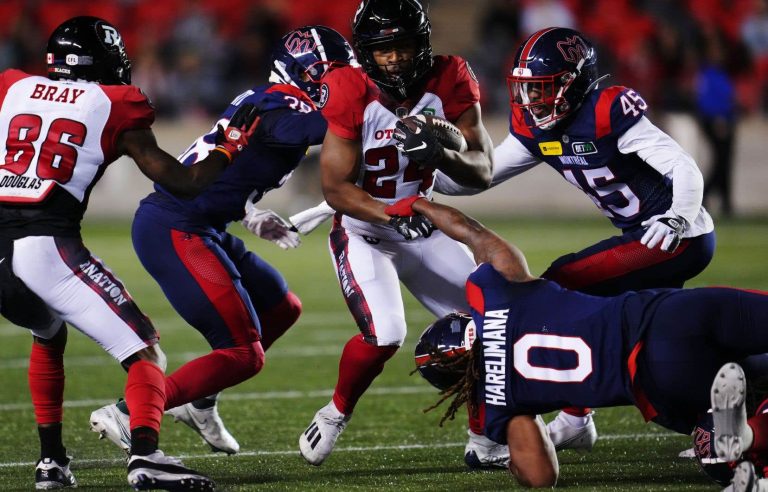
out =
column 50, row 474
column 481, row 452
column 746, row 480
column 729, row 412
column 317, row 442
column 565, row 435
column 113, row 424
column 208, row 424
column 157, row 471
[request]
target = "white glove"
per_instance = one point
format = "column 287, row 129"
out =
column 268, row 225
column 666, row 229
column 308, row 220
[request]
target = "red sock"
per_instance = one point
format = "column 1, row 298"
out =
column 759, row 425
column 477, row 424
column 212, row 373
column 276, row 320
column 360, row 363
column 145, row 394
column 577, row 412
column 46, row 382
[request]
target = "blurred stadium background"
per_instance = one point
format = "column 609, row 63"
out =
column 193, row 57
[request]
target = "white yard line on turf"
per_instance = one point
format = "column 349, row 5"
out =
column 341, row 449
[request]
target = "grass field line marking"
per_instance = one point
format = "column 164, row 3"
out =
column 341, row 449
column 262, row 395
column 99, row 360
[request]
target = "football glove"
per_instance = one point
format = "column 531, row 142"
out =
column 232, row 140
column 419, row 144
column 310, row 219
column 412, row 227
column 667, row 229
column 268, row 225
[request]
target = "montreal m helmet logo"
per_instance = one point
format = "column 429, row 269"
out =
column 300, row 42
column 573, row 49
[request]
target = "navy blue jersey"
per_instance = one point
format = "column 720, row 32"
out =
column 584, row 150
column 547, row 348
column 289, row 124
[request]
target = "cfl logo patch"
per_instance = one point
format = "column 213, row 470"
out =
column 234, row 134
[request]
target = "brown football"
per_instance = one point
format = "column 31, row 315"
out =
column 446, row 132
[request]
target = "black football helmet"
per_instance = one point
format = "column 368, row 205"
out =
column 554, row 69
column 310, row 50
column 379, row 22
column 88, row 48
column 451, row 335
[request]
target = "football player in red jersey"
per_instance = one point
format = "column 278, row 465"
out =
column 600, row 140
column 58, row 135
column 369, row 161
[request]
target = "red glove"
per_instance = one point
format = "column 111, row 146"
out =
column 403, row 208
column 232, row 140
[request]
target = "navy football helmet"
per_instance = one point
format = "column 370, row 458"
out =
column 704, row 448
column 380, row 22
column 306, row 54
column 554, row 69
column 88, row 48
column 450, row 335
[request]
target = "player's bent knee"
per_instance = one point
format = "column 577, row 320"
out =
column 59, row 338
column 153, row 354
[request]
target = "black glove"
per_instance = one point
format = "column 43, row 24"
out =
column 417, row 141
column 412, row 227
column 241, row 126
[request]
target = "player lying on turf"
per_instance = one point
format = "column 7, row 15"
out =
column 539, row 347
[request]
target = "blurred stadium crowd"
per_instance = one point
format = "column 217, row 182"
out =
column 191, row 56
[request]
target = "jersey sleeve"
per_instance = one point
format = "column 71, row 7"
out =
column 344, row 93
column 130, row 110
column 617, row 109
column 466, row 89
column 285, row 127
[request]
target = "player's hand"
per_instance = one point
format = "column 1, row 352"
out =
column 417, row 141
column 233, row 139
column 667, row 229
column 268, row 225
column 412, row 227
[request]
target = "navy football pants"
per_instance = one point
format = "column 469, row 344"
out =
column 692, row 333
column 620, row 264
column 211, row 280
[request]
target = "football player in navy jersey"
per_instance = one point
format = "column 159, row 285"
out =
column 235, row 299
column 600, row 140
column 658, row 349
column 59, row 134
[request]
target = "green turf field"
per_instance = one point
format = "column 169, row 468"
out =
column 389, row 444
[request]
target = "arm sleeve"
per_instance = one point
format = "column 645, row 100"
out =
column 666, row 156
column 466, row 90
column 510, row 158
column 344, row 104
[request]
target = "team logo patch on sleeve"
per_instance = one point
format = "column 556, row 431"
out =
column 551, row 148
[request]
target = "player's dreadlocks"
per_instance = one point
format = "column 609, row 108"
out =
column 464, row 389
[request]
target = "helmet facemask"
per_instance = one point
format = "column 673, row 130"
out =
column 544, row 97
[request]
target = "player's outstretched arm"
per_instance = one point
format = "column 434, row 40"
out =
column 532, row 457
column 339, row 169
column 486, row 245
column 188, row 181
